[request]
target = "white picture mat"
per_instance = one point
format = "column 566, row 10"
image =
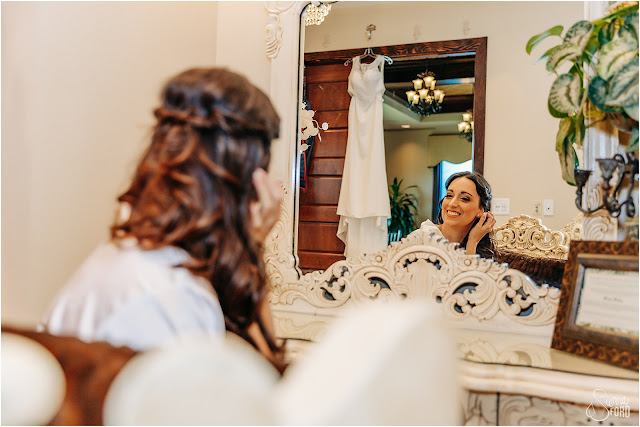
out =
column 609, row 301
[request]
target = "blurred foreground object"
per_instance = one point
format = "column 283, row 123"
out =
column 33, row 384
column 194, row 382
column 382, row 364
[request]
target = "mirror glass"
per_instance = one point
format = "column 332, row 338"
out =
column 428, row 99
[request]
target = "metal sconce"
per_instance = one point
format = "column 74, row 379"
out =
column 628, row 165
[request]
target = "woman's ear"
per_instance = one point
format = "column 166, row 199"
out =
column 480, row 212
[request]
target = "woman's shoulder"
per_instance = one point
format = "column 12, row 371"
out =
column 430, row 226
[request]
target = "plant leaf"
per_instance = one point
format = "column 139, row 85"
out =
column 565, row 129
column 606, row 33
column 631, row 23
column 564, row 52
column 613, row 56
column 632, row 110
column 579, row 34
column 623, row 88
column 598, row 90
column 535, row 40
column 565, row 94
column 633, row 140
column 555, row 113
column 567, row 156
column 546, row 54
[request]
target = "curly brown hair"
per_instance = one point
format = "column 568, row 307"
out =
column 192, row 187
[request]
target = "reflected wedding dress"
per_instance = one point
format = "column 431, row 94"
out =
column 363, row 205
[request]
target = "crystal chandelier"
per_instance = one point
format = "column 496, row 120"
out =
column 424, row 100
column 315, row 13
column 465, row 127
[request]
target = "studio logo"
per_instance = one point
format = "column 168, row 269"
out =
column 613, row 406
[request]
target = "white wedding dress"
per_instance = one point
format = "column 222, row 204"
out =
column 363, row 205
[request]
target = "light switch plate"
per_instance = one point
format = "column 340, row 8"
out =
column 548, row 207
column 501, row 206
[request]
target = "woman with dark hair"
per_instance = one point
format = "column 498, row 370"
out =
column 188, row 258
column 465, row 216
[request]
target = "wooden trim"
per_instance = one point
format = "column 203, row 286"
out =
column 401, row 51
column 610, row 347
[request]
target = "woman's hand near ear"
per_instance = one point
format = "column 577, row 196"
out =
column 484, row 226
column 266, row 210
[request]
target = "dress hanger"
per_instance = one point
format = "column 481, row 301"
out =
column 368, row 52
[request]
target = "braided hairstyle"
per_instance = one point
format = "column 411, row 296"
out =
column 193, row 186
column 486, row 246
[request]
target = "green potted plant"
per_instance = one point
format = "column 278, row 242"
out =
column 601, row 81
column 403, row 210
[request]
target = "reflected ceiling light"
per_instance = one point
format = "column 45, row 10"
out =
column 405, row 126
column 315, row 13
column 465, row 127
column 424, row 100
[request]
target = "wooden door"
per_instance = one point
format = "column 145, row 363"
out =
column 318, row 245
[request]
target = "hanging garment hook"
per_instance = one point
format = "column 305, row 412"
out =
column 369, row 30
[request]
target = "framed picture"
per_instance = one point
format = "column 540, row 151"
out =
column 598, row 310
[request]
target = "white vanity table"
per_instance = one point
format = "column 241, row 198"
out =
column 511, row 379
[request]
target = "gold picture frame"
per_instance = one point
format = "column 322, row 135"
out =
column 598, row 308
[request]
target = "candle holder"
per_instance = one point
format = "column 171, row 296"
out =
column 628, row 165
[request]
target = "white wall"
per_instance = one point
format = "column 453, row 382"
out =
column 520, row 160
column 411, row 154
column 79, row 82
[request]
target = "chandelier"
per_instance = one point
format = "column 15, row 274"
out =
column 465, row 127
column 424, row 100
column 316, row 13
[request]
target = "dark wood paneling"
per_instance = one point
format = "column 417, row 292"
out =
column 319, row 237
column 328, row 96
column 335, row 119
column 317, row 260
column 479, row 93
column 321, row 191
column 327, row 167
column 327, row 73
column 319, row 213
column 399, row 52
column 333, row 144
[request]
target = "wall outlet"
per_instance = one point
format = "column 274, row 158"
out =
column 501, row 206
column 548, row 207
column 537, row 208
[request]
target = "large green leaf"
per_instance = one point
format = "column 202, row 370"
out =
column 613, row 56
column 565, row 94
column 566, row 128
column 632, row 110
column 579, row 34
column 546, row 54
column 598, row 90
column 631, row 23
column 567, row 157
column 633, row 140
column 562, row 53
column 535, row 40
column 555, row 113
column 606, row 33
column 623, row 87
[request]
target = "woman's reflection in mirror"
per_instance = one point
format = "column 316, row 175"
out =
column 465, row 214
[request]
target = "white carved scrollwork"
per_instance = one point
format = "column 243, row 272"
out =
column 274, row 27
column 424, row 264
column 528, row 235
